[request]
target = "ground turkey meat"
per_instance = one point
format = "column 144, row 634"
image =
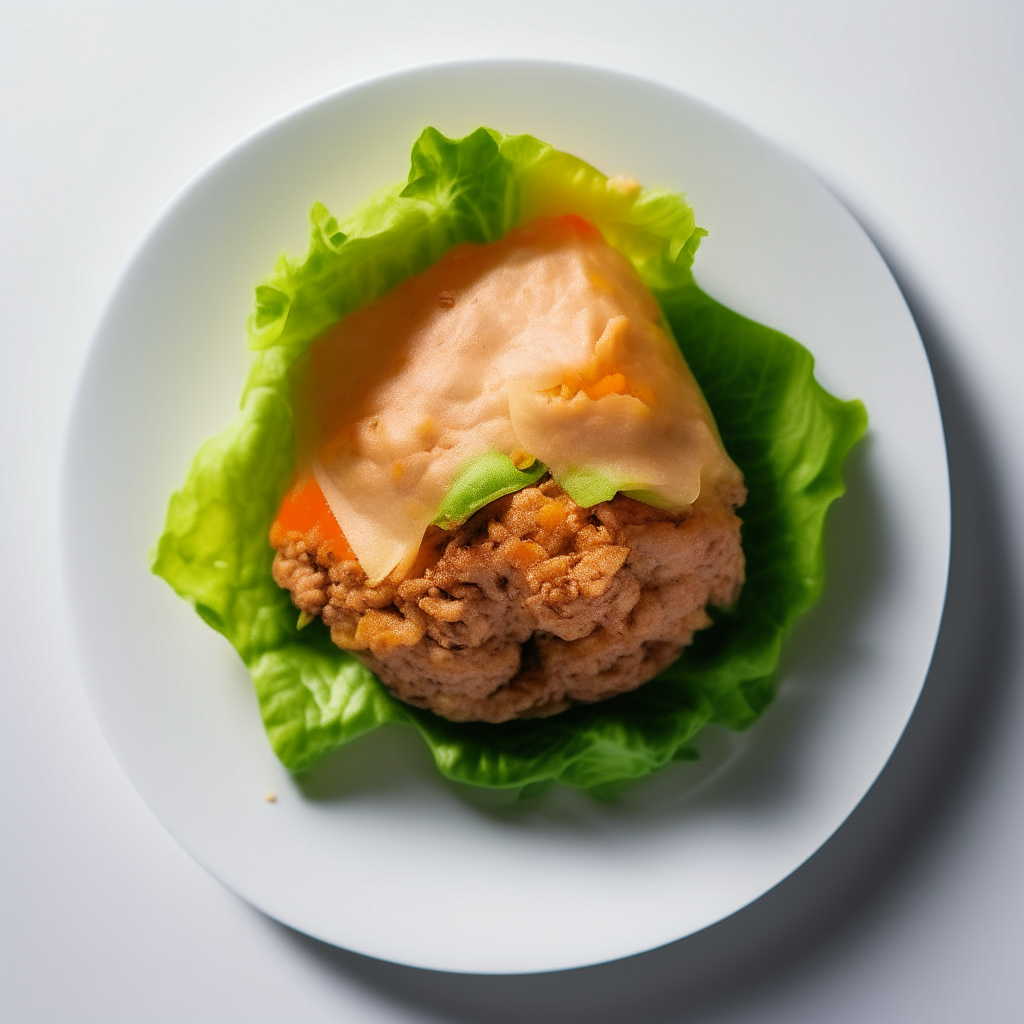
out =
column 533, row 605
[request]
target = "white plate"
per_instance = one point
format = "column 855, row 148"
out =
column 378, row 854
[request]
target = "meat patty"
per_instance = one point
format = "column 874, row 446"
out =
column 533, row 605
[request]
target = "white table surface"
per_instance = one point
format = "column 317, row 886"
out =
column 912, row 113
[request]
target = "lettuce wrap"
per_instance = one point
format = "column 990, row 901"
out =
column 785, row 432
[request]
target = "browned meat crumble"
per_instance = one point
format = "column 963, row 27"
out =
column 533, row 605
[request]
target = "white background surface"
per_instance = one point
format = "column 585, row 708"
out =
column 912, row 113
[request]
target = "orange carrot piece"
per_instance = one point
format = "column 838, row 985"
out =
column 304, row 512
column 613, row 384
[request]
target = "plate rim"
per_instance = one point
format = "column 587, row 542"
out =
column 166, row 215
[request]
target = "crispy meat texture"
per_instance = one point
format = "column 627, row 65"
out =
column 533, row 605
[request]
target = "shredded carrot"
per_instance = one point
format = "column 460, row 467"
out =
column 613, row 384
column 551, row 515
column 304, row 512
column 524, row 553
column 521, row 458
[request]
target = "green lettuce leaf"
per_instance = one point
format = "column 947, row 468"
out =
column 787, row 434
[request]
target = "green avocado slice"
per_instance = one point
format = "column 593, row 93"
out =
column 482, row 480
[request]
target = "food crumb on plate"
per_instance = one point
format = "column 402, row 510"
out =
column 270, row 796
